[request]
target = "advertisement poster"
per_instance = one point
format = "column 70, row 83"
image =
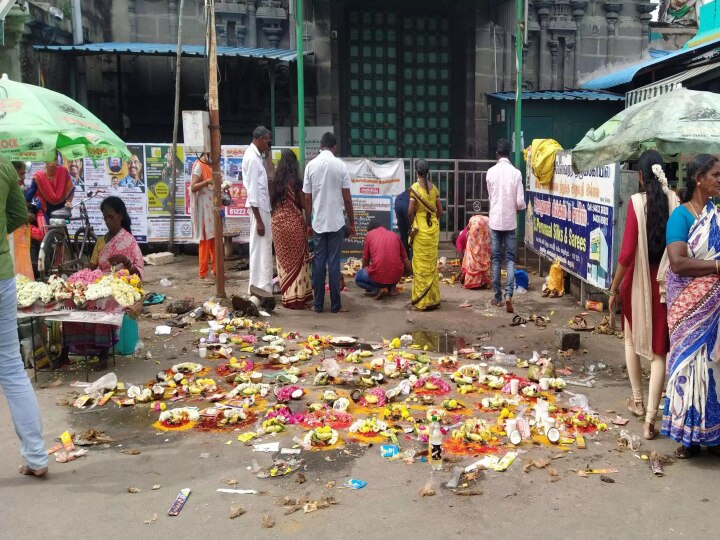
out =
column 366, row 209
column 159, row 165
column 159, row 229
column 373, row 188
column 571, row 220
column 108, row 177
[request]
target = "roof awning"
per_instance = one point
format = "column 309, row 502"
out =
column 567, row 95
column 626, row 75
column 667, row 85
column 168, row 49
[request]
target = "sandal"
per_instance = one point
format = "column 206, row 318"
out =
column 517, row 321
column 581, row 325
column 687, row 452
column 649, row 431
column 152, row 299
column 636, row 407
column 39, row 473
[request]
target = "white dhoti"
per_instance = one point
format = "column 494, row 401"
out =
column 261, row 261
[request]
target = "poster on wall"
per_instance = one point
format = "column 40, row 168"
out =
column 159, row 229
column 159, row 165
column 237, row 217
column 111, row 177
column 373, row 188
column 571, row 220
column 366, row 209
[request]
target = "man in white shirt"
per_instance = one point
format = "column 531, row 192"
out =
column 507, row 198
column 258, row 200
column 327, row 192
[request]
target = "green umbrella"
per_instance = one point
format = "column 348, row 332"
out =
column 36, row 122
column 680, row 122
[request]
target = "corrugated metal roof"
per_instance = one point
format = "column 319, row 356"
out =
column 667, row 85
column 626, row 75
column 168, row 49
column 567, row 95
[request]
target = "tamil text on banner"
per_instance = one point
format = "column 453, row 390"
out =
column 373, row 188
column 159, row 229
column 571, row 220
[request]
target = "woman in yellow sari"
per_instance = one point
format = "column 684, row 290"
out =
column 424, row 214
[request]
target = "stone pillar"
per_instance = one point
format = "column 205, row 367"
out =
column 251, row 25
column 554, row 85
column 578, row 12
column 322, row 46
column 612, row 12
column 543, row 13
column 569, row 72
column 10, row 50
column 173, row 20
column 241, row 31
column 645, row 9
column 132, row 20
column 484, row 79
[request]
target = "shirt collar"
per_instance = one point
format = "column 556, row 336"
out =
column 506, row 160
column 255, row 148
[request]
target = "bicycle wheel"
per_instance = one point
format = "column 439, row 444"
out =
column 84, row 246
column 55, row 252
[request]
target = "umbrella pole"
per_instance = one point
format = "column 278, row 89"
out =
column 176, row 121
column 214, row 114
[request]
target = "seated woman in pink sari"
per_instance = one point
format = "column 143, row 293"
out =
column 476, row 262
column 115, row 251
column 118, row 249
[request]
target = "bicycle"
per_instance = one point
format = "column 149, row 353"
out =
column 61, row 253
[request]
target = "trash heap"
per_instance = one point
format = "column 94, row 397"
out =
column 322, row 392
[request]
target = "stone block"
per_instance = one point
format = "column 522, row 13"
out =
column 566, row 339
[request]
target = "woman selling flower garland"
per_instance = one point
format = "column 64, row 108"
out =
column 116, row 251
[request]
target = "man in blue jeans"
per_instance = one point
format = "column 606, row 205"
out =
column 14, row 381
column 507, row 198
column 327, row 192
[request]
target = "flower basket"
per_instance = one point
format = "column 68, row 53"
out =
column 41, row 307
column 106, row 305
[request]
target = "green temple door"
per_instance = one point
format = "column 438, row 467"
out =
column 399, row 75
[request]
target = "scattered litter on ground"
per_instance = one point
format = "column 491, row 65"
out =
column 179, row 502
column 237, row 491
column 156, row 487
column 428, row 489
column 467, row 492
column 131, row 451
column 152, row 520
column 134, row 490
column 93, row 437
column 236, row 510
column 267, row 521
column 355, row 484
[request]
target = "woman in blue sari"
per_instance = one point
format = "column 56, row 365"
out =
column 692, row 408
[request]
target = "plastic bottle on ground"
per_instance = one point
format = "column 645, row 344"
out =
column 435, row 445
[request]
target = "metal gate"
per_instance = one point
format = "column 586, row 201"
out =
column 463, row 190
column 399, row 99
